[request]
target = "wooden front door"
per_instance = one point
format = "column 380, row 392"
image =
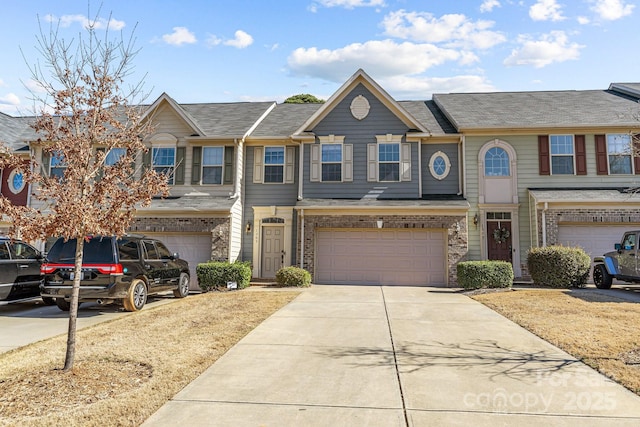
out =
column 499, row 240
column 272, row 250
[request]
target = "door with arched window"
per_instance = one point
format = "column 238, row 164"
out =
column 497, row 170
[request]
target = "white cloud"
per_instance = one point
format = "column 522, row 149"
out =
column 386, row 57
column 454, row 29
column 97, row 23
column 552, row 47
column 2, row 83
column 180, row 36
column 351, row 4
column 546, row 10
column 489, row 5
column 10, row 99
column 240, row 41
column 416, row 87
column 611, row 10
column 583, row 20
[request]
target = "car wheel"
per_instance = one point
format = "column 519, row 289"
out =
column 136, row 296
column 48, row 301
column 183, row 286
column 63, row 304
column 601, row 277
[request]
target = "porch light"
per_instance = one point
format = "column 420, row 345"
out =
column 247, row 228
column 379, row 223
column 475, row 220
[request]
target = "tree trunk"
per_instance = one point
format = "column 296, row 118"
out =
column 73, row 310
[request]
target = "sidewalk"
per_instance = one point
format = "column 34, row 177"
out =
column 387, row 356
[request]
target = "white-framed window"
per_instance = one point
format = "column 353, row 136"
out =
column 16, row 182
column 114, row 155
column 57, row 165
column 163, row 160
column 439, row 165
column 562, row 154
column 496, row 162
column 273, row 165
column 619, row 154
column 212, row 165
column 331, row 155
column 389, row 162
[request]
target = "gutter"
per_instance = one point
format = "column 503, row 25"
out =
column 544, row 224
column 463, row 170
column 301, row 238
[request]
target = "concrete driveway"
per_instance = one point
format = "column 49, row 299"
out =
column 27, row 322
column 396, row 356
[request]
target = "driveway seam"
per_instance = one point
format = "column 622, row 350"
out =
column 395, row 358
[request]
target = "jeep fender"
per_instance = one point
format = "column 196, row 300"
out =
column 609, row 263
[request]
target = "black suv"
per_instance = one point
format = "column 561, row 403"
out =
column 124, row 270
column 19, row 271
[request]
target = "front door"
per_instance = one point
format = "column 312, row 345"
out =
column 272, row 250
column 499, row 246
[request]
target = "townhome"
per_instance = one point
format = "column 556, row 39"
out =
column 365, row 189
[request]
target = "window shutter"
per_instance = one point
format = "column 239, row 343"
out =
column 314, row 172
column 372, row 162
column 228, row 165
column 289, row 165
column 100, row 173
column 602, row 162
column 635, row 147
column 196, row 165
column 347, row 162
column 46, row 161
column 146, row 159
column 543, row 155
column 405, row 162
column 581, row 155
column 258, row 164
column 178, row 177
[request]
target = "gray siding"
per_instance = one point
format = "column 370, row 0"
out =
column 450, row 184
column 359, row 133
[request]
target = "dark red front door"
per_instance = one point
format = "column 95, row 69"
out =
column 499, row 240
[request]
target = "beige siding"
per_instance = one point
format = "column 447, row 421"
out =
column 236, row 231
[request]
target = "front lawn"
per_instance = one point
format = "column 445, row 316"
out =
column 599, row 330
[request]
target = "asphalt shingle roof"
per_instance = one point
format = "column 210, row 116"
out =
column 285, row 119
column 226, row 119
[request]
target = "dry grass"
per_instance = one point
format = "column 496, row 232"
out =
column 599, row 330
column 127, row 368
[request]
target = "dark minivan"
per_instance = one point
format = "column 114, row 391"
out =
column 123, row 271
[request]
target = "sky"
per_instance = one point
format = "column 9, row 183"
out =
column 260, row 50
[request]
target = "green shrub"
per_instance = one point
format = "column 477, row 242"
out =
column 216, row 274
column 559, row 266
column 293, row 276
column 484, row 274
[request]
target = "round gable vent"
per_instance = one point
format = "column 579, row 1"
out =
column 360, row 107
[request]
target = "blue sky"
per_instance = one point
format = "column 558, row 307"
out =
column 259, row 50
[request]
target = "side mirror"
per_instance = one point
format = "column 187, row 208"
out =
column 617, row 246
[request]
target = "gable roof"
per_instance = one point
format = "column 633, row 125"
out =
column 529, row 110
column 16, row 132
column 233, row 120
column 360, row 77
column 285, row 120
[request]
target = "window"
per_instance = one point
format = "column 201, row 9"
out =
column 57, row 165
column 439, row 165
column 496, row 162
column 164, row 161
column 16, row 182
column 114, row 155
column 274, row 164
column 332, row 162
column 212, row 163
column 21, row 250
column 562, row 154
column 150, row 250
column 163, row 252
column 389, row 162
column 128, row 250
column 4, row 251
column 619, row 154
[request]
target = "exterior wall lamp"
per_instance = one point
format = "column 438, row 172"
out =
column 475, row 220
column 247, row 227
column 379, row 223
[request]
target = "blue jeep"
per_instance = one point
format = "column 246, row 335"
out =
column 621, row 264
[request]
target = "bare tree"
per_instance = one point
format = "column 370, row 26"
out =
column 92, row 130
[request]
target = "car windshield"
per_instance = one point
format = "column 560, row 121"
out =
column 98, row 250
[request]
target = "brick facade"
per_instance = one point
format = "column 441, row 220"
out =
column 456, row 226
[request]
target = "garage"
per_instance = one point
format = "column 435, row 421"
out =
column 381, row 257
column 595, row 240
column 194, row 248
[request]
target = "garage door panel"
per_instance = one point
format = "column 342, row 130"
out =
column 389, row 257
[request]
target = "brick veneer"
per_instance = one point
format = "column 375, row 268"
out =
column 217, row 227
column 457, row 236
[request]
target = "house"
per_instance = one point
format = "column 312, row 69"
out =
column 366, row 189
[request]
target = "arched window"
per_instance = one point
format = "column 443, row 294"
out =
column 496, row 162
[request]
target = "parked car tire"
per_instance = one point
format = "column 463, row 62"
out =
column 63, row 304
column 601, row 277
column 48, row 301
column 183, row 286
column 136, row 296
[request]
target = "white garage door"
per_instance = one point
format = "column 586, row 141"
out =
column 594, row 239
column 194, row 248
column 381, row 257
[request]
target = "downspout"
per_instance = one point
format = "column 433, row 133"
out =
column 239, row 168
column 544, row 225
column 420, row 168
column 463, row 170
column 300, row 171
column 301, row 238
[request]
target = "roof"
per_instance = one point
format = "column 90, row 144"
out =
column 16, row 131
column 428, row 113
column 285, row 119
column 585, row 195
column 190, row 204
column 233, row 119
column 381, row 204
column 529, row 110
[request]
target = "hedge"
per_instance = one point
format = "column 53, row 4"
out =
column 559, row 266
column 484, row 274
column 216, row 274
column 293, row 276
